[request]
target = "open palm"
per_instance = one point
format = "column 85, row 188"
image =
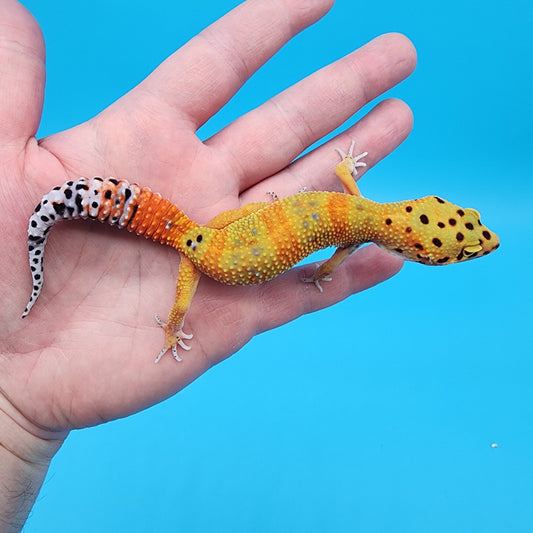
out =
column 85, row 353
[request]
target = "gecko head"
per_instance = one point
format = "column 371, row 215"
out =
column 441, row 233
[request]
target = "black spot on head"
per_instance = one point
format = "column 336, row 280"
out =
column 408, row 229
column 424, row 219
column 440, row 200
column 487, row 235
column 408, row 208
column 459, row 236
column 108, row 194
column 418, row 246
column 441, row 224
column 398, row 250
column 452, row 221
column 437, row 242
column 388, row 222
column 460, row 212
column 443, row 260
column 469, row 225
column 68, row 194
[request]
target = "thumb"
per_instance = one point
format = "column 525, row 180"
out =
column 22, row 74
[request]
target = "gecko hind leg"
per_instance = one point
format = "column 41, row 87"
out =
column 188, row 277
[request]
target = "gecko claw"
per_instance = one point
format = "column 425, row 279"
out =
column 173, row 340
column 175, row 354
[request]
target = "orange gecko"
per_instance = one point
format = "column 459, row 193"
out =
column 260, row 241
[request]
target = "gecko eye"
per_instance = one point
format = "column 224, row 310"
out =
column 189, row 242
column 199, row 238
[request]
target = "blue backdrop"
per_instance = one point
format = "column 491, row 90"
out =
column 363, row 429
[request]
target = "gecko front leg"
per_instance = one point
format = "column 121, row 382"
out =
column 324, row 271
column 346, row 170
column 188, row 277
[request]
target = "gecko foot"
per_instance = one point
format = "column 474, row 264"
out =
column 273, row 196
column 350, row 161
column 317, row 279
column 173, row 340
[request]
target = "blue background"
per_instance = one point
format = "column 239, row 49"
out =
column 384, row 421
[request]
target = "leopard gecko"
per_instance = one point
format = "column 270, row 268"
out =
column 259, row 241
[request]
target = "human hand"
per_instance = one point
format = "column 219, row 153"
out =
column 85, row 353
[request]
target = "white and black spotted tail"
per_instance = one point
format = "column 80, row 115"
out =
column 108, row 200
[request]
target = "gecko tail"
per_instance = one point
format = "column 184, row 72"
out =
column 36, row 244
column 107, row 200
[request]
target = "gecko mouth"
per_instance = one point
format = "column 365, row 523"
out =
column 470, row 251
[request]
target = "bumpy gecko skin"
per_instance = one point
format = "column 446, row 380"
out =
column 260, row 241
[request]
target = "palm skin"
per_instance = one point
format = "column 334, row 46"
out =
column 85, row 353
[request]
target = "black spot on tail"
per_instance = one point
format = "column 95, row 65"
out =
column 59, row 208
column 79, row 202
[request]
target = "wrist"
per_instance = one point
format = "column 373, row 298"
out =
column 25, row 454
